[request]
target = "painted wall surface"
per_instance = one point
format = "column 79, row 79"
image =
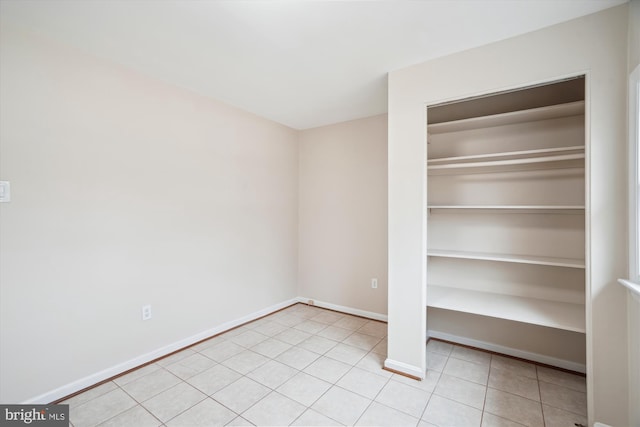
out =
column 633, row 303
column 594, row 44
column 634, row 35
column 343, row 214
column 127, row 191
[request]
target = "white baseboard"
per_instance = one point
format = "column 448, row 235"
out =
column 405, row 368
column 92, row 379
column 343, row 309
column 535, row 357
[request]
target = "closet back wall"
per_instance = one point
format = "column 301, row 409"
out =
column 127, row 191
column 343, row 214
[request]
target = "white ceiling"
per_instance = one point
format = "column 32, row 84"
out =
column 300, row 63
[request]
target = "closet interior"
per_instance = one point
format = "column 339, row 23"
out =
column 506, row 210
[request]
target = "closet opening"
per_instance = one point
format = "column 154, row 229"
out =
column 506, row 256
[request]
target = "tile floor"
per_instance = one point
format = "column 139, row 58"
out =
column 305, row 366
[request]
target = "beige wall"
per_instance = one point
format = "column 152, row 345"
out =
column 127, row 191
column 634, row 34
column 595, row 44
column 343, row 214
column 633, row 303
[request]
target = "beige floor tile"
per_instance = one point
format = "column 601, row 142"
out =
column 138, row 373
column 136, row 416
column 374, row 328
column 379, row 415
column 428, row 384
column 297, row 358
column 81, row 398
column 490, row 420
column 327, row 369
column 313, row 418
column 365, row 342
column 462, row 391
column 305, row 312
column 241, row 395
column 381, row 347
column 222, row 351
column 248, row 339
column 439, row 347
column 304, row 388
column 245, row 361
column 373, row 362
column 563, row 398
column 288, row 320
column 341, row 405
column 272, row 374
column 148, row 386
column 471, row 355
column 205, row 414
column 271, row 347
column 469, row 371
column 270, row 328
column 435, row 361
column 274, row 410
column 350, row 322
column 190, row 366
column 514, row 408
column 363, row 382
column 346, row 353
column 292, row 336
column 214, row 379
column 522, row 386
column 172, row 402
column 404, row 398
column 310, row 327
column 563, row 379
column 334, row 333
column 327, row 317
column 239, row 422
column 513, row 366
column 318, row 344
column 554, row 417
column 101, row 408
column 258, row 322
column 445, row 412
column 176, row 357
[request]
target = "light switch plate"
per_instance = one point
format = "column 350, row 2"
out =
column 5, row 192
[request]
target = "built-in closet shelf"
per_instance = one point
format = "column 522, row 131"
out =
column 509, row 155
column 519, row 259
column 531, row 115
column 513, row 208
column 511, row 158
column 554, row 314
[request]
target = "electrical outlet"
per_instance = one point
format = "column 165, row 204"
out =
column 374, row 283
column 146, row 312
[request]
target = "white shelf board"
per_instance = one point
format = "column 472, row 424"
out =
column 531, row 115
column 519, row 259
column 510, row 154
column 509, row 162
column 512, row 207
column 554, row 314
